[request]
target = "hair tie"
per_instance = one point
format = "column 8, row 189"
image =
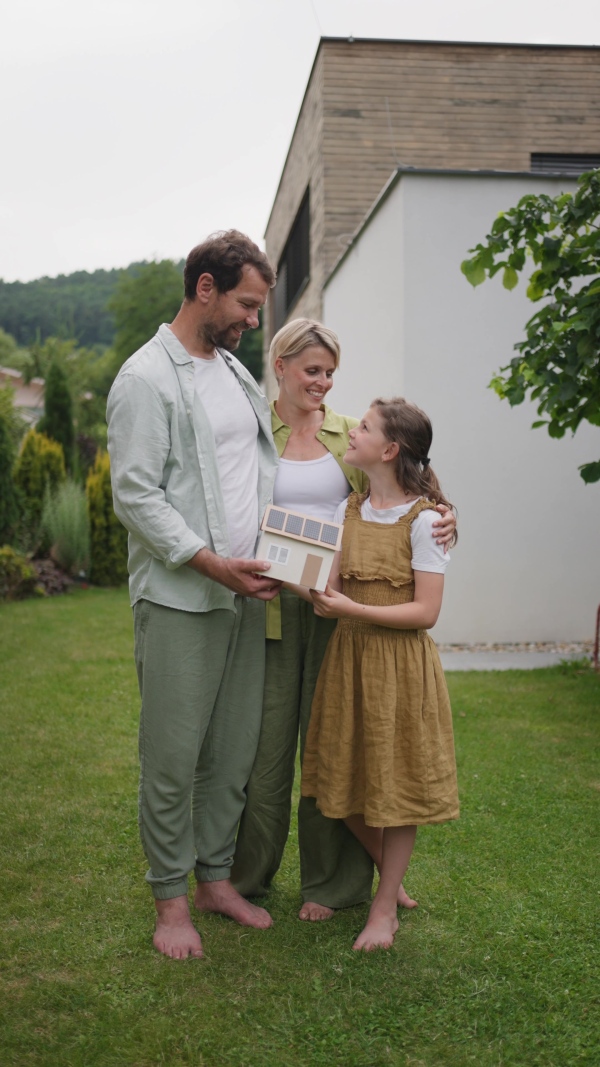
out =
column 425, row 461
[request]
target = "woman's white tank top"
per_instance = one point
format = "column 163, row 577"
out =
column 313, row 486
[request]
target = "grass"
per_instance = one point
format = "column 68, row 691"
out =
column 496, row 967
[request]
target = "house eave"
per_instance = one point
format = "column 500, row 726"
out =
column 439, row 171
column 461, row 44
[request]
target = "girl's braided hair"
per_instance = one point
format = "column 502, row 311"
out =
column 410, row 428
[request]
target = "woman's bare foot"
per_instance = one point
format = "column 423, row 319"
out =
column 378, row 933
column 315, row 913
column 404, row 901
column 221, row 897
column 175, row 935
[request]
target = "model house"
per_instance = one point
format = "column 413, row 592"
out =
column 299, row 547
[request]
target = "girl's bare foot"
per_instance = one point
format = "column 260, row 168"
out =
column 175, row 936
column 221, row 897
column 404, row 901
column 378, row 933
column 314, row 913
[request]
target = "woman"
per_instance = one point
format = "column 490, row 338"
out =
column 336, row 871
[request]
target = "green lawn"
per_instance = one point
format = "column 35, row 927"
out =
column 496, row 967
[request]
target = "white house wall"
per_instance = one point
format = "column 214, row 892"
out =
column 527, row 565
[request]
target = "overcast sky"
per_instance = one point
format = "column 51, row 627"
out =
column 130, row 129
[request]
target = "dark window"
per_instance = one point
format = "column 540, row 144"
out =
column 563, row 163
column 293, row 270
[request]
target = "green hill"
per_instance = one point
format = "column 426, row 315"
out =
column 69, row 306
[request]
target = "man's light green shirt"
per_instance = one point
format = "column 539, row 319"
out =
column 166, row 485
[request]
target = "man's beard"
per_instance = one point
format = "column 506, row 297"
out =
column 219, row 337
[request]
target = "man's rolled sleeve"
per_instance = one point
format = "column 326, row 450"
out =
column 184, row 551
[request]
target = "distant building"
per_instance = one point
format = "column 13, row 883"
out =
column 29, row 397
column 403, row 154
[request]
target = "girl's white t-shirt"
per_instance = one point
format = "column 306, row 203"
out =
column 312, row 486
column 426, row 554
column 235, row 428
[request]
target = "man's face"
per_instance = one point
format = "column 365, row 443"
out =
column 229, row 314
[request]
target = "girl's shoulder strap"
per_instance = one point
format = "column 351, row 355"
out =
column 353, row 506
column 417, row 508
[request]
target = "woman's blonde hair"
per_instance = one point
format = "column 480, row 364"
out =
column 297, row 335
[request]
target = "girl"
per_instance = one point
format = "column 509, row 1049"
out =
column 379, row 751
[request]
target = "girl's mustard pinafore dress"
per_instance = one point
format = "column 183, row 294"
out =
column 380, row 738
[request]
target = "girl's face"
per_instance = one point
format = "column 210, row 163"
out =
column 368, row 445
column 305, row 379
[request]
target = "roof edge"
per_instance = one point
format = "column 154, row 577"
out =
column 400, row 172
column 466, row 44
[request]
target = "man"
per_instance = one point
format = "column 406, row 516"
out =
column 193, row 462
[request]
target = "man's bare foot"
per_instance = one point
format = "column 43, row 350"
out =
column 378, row 933
column 404, row 901
column 315, row 913
column 175, row 935
column 221, row 897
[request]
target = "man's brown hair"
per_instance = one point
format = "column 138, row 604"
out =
column 224, row 255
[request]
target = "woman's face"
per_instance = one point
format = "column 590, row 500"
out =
column 305, row 379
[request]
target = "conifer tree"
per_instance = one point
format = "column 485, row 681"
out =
column 39, row 469
column 9, row 505
column 57, row 422
column 108, row 538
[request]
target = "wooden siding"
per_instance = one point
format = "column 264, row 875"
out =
column 304, row 166
column 373, row 105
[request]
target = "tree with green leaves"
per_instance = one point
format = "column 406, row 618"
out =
column 142, row 302
column 8, row 349
column 558, row 363
column 57, row 422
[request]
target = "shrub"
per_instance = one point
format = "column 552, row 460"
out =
column 86, row 449
column 9, row 501
column 50, row 579
column 65, row 521
column 40, row 466
column 18, row 577
column 108, row 538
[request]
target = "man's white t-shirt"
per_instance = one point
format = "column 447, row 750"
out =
column 426, row 554
column 235, row 428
